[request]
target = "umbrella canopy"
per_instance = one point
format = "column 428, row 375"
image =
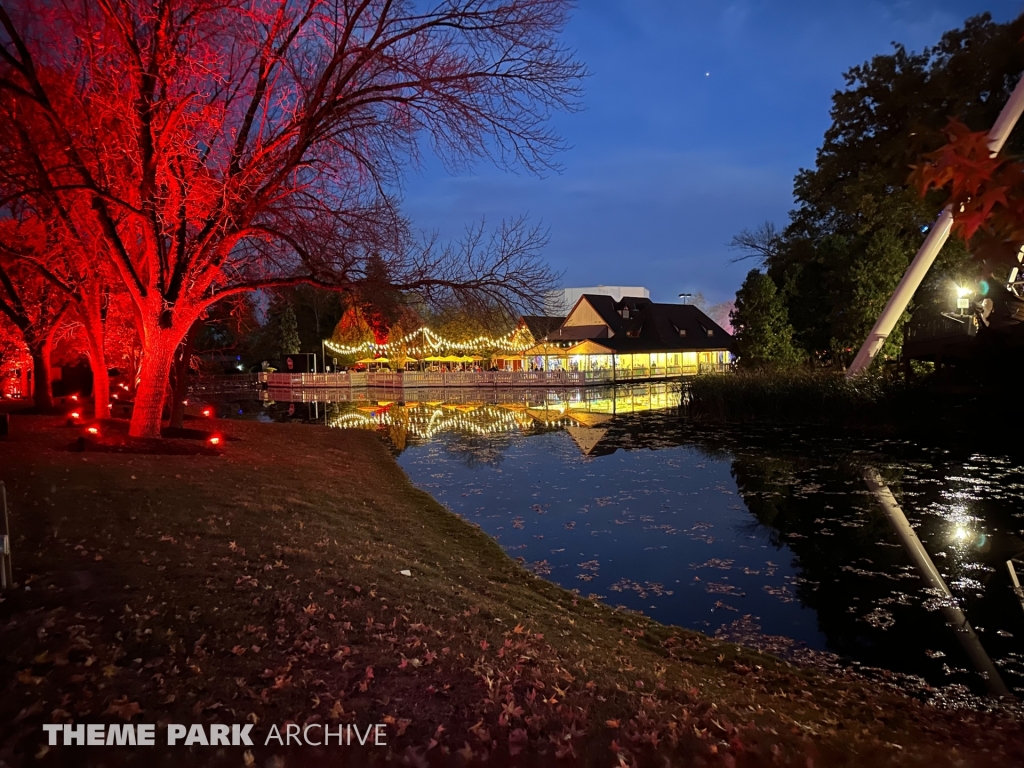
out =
column 369, row 360
column 434, row 359
column 589, row 347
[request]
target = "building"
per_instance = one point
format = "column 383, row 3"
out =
column 633, row 338
column 529, row 331
column 558, row 303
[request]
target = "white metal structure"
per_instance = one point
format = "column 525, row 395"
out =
column 937, row 237
column 955, row 617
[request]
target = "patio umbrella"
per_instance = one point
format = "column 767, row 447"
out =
column 371, row 360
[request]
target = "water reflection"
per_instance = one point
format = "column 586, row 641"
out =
column 612, row 494
column 955, row 618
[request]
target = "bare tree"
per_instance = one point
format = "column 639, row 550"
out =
column 761, row 243
column 211, row 144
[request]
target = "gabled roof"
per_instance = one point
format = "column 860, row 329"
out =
column 610, row 310
column 605, row 308
column 578, row 333
column 649, row 327
column 540, row 326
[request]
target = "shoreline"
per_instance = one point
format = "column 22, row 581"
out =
column 267, row 582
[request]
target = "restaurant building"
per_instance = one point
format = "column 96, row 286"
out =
column 632, row 338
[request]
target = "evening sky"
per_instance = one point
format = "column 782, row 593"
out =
column 697, row 115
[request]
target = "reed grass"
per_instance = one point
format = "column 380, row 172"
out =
column 800, row 396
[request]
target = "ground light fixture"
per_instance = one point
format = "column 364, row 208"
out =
column 207, row 412
column 215, row 440
column 93, row 431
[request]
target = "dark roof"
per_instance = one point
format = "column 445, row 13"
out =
column 578, row 333
column 650, row 327
column 610, row 310
column 540, row 326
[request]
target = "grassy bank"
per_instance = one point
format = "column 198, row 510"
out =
column 265, row 585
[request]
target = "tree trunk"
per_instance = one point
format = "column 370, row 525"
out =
column 154, row 378
column 42, row 386
column 98, row 364
column 182, row 367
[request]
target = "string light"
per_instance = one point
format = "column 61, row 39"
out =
column 429, row 341
column 426, row 420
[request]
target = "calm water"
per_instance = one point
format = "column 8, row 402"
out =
column 614, row 495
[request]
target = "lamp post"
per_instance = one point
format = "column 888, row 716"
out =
column 686, row 297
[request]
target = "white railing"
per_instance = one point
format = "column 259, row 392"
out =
column 454, row 379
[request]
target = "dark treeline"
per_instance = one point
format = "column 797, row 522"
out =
column 824, row 277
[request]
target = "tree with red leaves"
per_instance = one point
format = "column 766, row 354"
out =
column 217, row 146
column 987, row 195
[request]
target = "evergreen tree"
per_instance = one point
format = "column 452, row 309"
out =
column 763, row 335
column 288, row 332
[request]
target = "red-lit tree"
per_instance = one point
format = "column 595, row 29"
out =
column 34, row 307
column 226, row 145
column 45, row 243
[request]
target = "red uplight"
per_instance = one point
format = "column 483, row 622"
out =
column 207, row 411
column 93, row 431
column 214, row 441
column 76, row 415
column 75, row 398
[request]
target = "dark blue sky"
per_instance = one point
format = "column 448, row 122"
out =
column 668, row 162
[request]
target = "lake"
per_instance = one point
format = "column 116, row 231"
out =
column 760, row 535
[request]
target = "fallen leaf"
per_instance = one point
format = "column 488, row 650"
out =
column 27, row 678
column 123, row 708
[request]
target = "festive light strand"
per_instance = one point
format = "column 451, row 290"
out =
column 432, row 342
